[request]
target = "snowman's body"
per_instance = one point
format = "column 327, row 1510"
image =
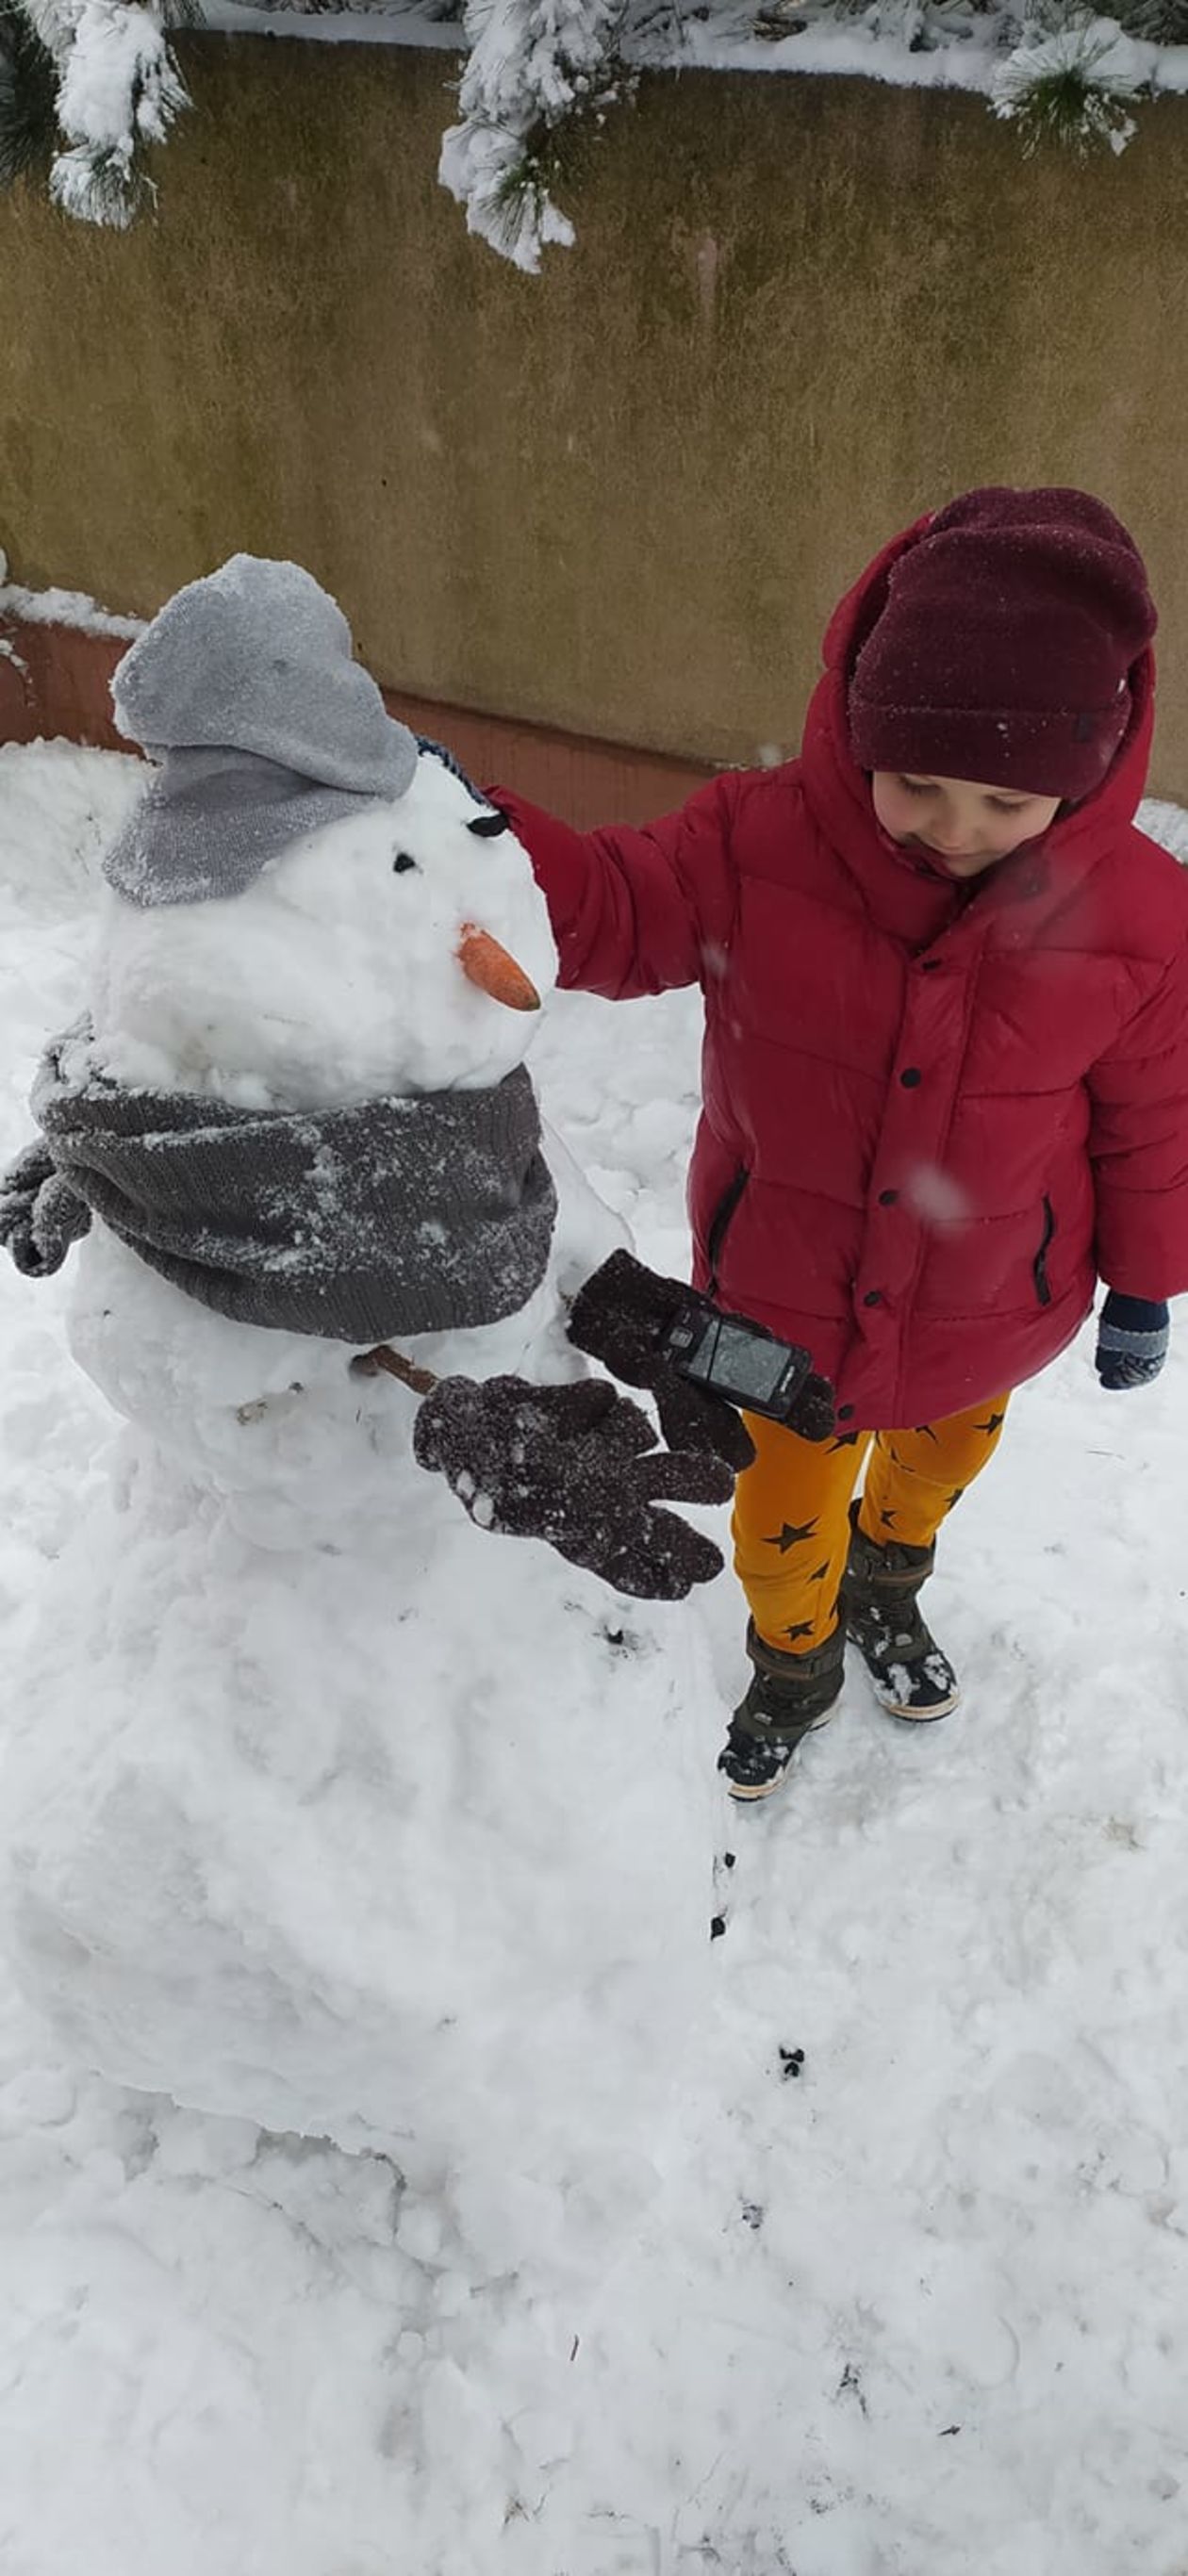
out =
column 331, row 1810
column 331, row 981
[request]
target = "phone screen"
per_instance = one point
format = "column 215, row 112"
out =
column 735, row 1359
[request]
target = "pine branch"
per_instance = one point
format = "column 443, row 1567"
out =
column 539, row 70
column 1060, row 86
column 1156, row 22
column 28, row 96
column 98, row 185
column 120, row 89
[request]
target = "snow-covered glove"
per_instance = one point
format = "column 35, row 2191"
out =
column 1132, row 1340
column 621, row 1315
column 567, row 1464
column 40, row 1215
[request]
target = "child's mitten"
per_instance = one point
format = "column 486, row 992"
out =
column 621, row 1315
column 1132, row 1340
column 567, row 1464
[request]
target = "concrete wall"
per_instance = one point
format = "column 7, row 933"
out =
column 618, row 500
column 55, row 680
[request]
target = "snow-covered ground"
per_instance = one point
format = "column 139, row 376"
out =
column 910, row 2305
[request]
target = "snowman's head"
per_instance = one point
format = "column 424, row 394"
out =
column 403, row 948
column 310, row 908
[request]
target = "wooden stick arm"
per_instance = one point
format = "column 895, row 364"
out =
column 394, row 1364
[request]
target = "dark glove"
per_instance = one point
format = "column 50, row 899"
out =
column 621, row 1315
column 40, row 1215
column 1133, row 1335
column 566, row 1464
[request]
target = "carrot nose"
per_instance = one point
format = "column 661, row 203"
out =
column 489, row 966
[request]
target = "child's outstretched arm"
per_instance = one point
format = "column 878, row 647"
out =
column 1138, row 1145
column 635, row 910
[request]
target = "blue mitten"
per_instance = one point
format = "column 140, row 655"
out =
column 1132, row 1340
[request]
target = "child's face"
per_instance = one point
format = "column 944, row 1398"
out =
column 966, row 826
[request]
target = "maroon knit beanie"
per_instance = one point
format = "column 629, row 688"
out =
column 1003, row 651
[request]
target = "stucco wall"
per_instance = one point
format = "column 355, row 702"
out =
column 619, row 499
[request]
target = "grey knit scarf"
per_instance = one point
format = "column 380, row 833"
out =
column 416, row 1215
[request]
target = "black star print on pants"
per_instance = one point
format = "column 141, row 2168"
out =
column 791, row 1536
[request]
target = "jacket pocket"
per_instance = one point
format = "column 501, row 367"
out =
column 1039, row 1267
column 719, row 1224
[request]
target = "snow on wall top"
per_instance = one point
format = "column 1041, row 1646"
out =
column 63, row 608
column 533, row 68
column 914, row 44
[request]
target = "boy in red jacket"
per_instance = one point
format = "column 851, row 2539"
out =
column 945, row 1074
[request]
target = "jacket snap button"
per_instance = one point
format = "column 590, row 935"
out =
column 844, row 1412
column 873, row 1297
column 887, row 1198
column 911, row 1077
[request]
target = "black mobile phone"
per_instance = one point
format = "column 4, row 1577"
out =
column 740, row 1361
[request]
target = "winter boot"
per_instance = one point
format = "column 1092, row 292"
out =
column 881, row 1614
column 789, row 1696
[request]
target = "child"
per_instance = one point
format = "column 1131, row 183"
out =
column 945, row 1072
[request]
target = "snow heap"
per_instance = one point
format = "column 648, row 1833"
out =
column 325, row 1810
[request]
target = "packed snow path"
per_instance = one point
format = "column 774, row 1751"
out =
column 911, row 2300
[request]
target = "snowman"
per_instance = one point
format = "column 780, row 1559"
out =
column 332, row 1806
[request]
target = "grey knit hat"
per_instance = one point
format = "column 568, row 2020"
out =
column 245, row 689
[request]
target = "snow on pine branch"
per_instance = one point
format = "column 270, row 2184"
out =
column 537, row 71
column 535, row 68
column 1072, row 84
column 117, row 88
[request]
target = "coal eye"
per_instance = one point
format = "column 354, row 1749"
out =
column 486, row 826
column 402, row 863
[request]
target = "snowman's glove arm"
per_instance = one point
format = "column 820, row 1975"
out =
column 567, row 1464
column 40, row 1214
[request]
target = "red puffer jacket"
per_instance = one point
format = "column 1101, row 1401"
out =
column 930, row 1116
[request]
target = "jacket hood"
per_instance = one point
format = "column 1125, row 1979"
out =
column 839, row 790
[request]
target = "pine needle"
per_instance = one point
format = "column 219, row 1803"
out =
column 28, row 95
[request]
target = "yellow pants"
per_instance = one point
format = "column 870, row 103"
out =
column 791, row 1523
